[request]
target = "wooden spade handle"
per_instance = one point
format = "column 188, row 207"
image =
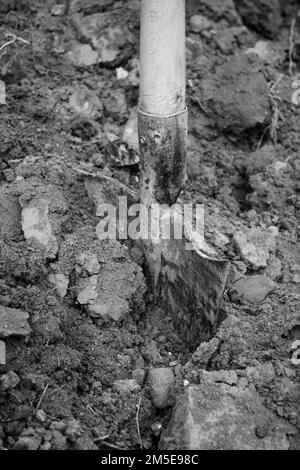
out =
column 162, row 113
column 162, row 56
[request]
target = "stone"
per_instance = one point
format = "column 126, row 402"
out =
column 13, row 322
column 74, row 430
column 27, row 443
column 60, row 426
column 112, row 132
column 108, row 37
column 121, row 73
column 252, row 289
column 274, row 268
column 46, row 446
column 124, row 360
column 41, row 416
column 128, row 385
column 43, row 212
column 89, row 262
column 236, row 95
column 263, row 50
column 82, row 55
column 139, row 376
column 2, row 353
column 89, row 294
column 199, row 23
column 255, row 245
column 264, row 16
column 58, row 9
column 59, row 441
column 86, row 103
column 161, row 382
column 9, row 380
column 104, row 294
column 115, row 105
column 87, row 290
column 152, row 354
column 217, row 416
column 61, row 283
column 296, row 278
column 117, row 290
column 130, row 133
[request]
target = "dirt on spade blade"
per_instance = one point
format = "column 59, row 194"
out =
column 87, row 360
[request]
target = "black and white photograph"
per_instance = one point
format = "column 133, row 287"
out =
column 149, row 228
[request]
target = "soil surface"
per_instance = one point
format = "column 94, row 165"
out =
column 78, row 331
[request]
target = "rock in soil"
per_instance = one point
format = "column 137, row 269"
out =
column 73, row 430
column 60, row 282
column 9, row 380
column 252, row 289
column 43, row 212
column 214, row 416
column 118, row 286
column 13, row 322
column 110, row 39
column 125, row 386
column 255, row 245
column 264, row 16
column 27, row 443
column 198, row 24
column 161, row 383
column 82, row 55
column 139, row 376
column 274, row 268
column 86, row 103
column 236, row 96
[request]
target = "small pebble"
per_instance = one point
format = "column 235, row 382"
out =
column 41, row 416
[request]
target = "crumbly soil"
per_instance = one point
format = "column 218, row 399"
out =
column 245, row 168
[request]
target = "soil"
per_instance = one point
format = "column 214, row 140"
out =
column 66, row 108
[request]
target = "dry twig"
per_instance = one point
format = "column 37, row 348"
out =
column 276, row 114
column 138, row 423
column 12, row 40
column 42, row 396
column 112, row 446
column 111, row 180
column 102, row 438
column 291, row 48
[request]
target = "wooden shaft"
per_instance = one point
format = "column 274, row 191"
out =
column 162, row 56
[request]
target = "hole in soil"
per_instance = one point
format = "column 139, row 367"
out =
column 241, row 189
column 295, row 332
column 84, row 129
